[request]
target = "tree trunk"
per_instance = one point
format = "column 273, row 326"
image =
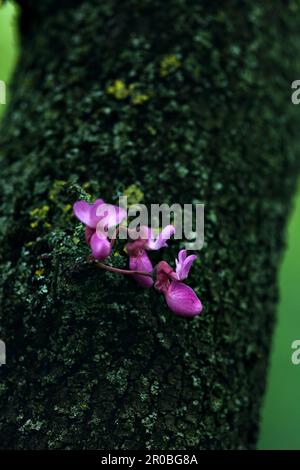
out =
column 179, row 101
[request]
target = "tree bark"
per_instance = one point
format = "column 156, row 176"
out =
column 179, row 101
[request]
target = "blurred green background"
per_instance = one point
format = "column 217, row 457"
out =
column 280, row 427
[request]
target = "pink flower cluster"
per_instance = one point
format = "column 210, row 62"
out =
column 100, row 217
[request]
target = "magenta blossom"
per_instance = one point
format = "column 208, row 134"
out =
column 181, row 299
column 98, row 218
column 138, row 258
column 183, row 264
column 101, row 219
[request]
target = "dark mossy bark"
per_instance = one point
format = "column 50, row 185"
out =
column 179, row 101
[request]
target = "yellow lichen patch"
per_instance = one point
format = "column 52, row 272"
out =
column 39, row 215
column 76, row 240
column 57, row 185
column 40, row 212
column 67, row 208
column 121, row 91
column 39, row 272
column 34, row 225
column 168, row 64
column 134, row 194
column 139, row 98
column 118, row 89
column 150, row 129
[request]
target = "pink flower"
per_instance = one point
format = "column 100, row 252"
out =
column 180, row 298
column 98, row 218
column 138, row 258
column 141, row 262
column 156, row 243
column 183, row 264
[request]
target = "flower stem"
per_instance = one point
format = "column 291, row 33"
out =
column 112, row 269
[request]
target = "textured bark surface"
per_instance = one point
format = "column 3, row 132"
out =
column 177, row 102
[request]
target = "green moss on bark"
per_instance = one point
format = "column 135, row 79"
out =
column 187, row 103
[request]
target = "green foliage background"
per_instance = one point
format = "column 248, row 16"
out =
column 280, row 427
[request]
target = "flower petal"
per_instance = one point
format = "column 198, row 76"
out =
column 94, row 208
column 135, row 248
column 101, row 247
column 182, row 300
column 82, row 210
column 183, row 264
column 86, row 212
column 108, row 216
column 141, row 263
column 163, row 273
column 181, row 256
column 161, row 239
